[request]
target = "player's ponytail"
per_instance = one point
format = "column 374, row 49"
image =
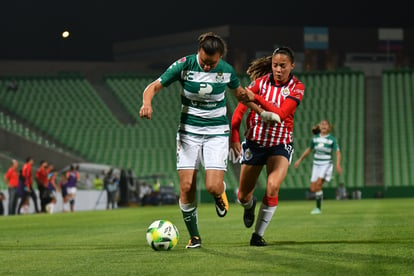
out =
column 260, row 67
column 316, row 129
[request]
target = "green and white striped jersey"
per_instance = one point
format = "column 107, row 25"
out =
column 324, row 147
column 203, row 109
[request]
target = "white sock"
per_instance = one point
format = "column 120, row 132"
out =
column 66, row 206
column 187, row 207
column 246, row 205
column 263, row 219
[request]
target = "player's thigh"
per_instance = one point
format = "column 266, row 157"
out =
column 188, row 185
column 215, row 152
column 248, row 178
column 277, row 167
column 188, row 151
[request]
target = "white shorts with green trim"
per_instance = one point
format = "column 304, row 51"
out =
column 211, row 151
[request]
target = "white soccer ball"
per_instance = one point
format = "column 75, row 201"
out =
column 162, row 235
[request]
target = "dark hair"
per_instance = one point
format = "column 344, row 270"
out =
column 285, row 51
column 262, row 66
column 316, row 129
column 212, row 43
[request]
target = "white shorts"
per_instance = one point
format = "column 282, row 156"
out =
column 71, row 190
column 322, row 171
column 211, row 151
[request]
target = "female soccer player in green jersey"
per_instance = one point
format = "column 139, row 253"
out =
column 203, row 133
column 324, row 145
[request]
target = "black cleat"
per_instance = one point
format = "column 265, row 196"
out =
column 194, row 242
column 248, row 216
column 257, row 240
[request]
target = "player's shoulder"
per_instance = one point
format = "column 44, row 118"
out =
column 298, row 81
column 266, row 77
column 225, row 67
column 185, row 60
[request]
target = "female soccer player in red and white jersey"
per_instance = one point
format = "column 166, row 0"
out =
column 268, row 140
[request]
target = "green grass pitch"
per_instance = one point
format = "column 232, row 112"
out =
column 365, row 237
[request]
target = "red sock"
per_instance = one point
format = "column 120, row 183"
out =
column 270, row 200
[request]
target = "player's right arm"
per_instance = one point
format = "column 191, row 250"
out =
column 304, row 154
column 149, row 93
column 235, row 128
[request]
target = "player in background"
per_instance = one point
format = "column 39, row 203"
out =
column 63, row 187
column 11, row 178
column 71, row 187
column 268, row 141
column 204, row 128
column 324, row 145
column 52, row 187
column 27, row 174
column 42, row 182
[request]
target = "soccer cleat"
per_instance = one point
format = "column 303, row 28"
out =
column 194, row 242
column 316, row 211
column 248, row 216
column 222, row 204
column 257, row 240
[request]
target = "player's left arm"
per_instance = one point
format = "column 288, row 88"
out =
column 267, row 116
column 288, row 106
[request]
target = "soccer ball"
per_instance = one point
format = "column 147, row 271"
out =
column 162, row 235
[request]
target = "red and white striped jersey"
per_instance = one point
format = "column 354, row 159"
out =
column 274, row 97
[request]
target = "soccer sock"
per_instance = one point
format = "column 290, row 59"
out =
column 267, row 209
column 246, row 205
column 189, row 211
column 66, row 206
column 319, row 197
column 72, row 204
column 52, row 206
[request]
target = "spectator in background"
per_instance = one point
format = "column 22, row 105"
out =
column 88, row 182
column 98, row 183
column 41, row 181
column 11, row 178
column 12, row 85
column 112, row 189
column 123, row 188
column 108, row 181
column 145, row 193
column 341, row 192
column 356, row 194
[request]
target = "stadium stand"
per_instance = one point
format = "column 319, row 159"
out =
column 338, row 97
column 398, row 115
column 69, row 109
